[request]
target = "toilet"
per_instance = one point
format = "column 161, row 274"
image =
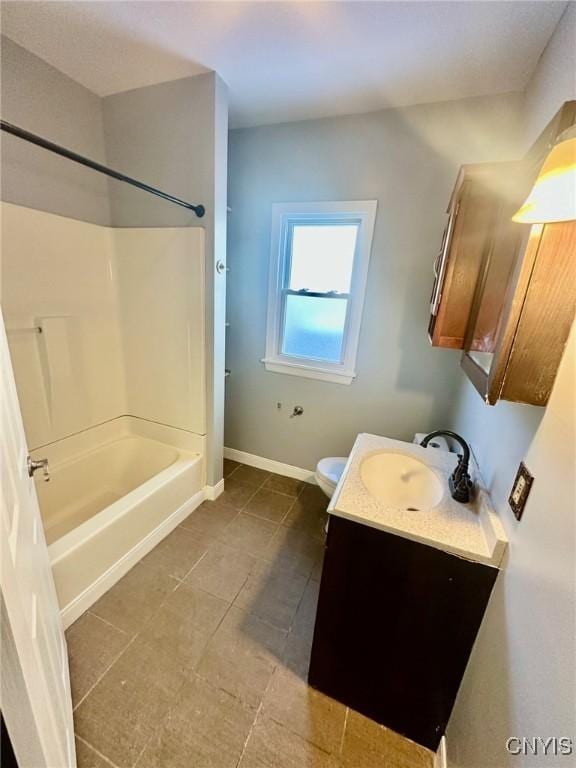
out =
column 329, row 470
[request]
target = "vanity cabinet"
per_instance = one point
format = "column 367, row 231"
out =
column 395, row 626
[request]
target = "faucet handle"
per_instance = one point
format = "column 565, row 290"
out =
column 461, row 468
column 457, row 473
column 461, row 486
column 33, row 465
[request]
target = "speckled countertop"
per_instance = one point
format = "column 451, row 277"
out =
column 473, row 531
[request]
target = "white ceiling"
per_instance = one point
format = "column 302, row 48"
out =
column 293, row 60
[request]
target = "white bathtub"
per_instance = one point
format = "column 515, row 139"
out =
column 115, row 490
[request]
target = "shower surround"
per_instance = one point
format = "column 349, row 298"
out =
column 107, row 338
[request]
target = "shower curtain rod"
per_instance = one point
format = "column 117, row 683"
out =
column 20, row 133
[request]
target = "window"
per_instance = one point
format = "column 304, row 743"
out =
column 318, row 271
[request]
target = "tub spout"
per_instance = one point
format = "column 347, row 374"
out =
column 35, row 464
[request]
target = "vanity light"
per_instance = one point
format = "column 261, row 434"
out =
column 553, row 196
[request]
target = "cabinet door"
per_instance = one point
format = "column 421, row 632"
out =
column 546, row 317
column 517, row 336
column 473, row 207
column 395, row 625
column 440, row 265
column 491, row 307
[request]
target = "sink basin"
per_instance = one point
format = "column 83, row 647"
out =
column 401, row 481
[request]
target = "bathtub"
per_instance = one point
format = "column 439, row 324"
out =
column 115, row 491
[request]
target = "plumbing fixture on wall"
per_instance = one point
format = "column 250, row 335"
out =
column 35, row 464
column 298, row 411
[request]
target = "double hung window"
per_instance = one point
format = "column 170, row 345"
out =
column 318, row 272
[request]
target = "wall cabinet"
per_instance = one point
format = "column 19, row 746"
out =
column 522, row 316
column 525, row 296
column 395, row 626
column 471, row 212
column 505, row 293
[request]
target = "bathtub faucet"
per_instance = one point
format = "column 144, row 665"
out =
column 34, row 464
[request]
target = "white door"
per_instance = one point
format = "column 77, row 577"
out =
column 36, row 700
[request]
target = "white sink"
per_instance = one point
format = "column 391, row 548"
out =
column 401, row 481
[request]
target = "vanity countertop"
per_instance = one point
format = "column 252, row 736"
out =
column 472, row 531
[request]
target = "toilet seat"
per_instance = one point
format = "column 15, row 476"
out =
column 329, row 472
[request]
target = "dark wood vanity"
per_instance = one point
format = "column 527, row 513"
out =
column 395, row 626
column 505, row 293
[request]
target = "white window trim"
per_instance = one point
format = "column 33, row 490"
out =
column 283, row 215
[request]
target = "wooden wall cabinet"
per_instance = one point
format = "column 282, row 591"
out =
column 517, row 337
column 525, row 295
column 505, row 293
column 471, row 214
column 395, row 625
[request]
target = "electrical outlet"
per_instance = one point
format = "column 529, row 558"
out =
column 520, row 490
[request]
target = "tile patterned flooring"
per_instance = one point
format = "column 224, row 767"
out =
column 198, row 657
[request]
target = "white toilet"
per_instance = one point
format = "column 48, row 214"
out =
column 328, row 472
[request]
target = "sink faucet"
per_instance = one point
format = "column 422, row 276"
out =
column 460, row 484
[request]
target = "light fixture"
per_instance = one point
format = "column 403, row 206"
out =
column 553, row 196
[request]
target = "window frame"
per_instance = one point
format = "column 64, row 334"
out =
column 284, row 217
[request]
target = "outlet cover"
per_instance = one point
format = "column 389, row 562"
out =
column 520, row 491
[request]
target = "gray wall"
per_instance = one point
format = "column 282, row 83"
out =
column 408, row 161
column 521, row 679
column 159, row 134
column 39, row 98
column 175, row 136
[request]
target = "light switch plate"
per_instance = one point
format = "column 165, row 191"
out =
column 520, row 490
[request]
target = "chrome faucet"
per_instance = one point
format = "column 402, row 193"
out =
column 459, row 482
column 34, row 465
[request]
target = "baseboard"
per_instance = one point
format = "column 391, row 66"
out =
column 120, row 568
column 270, row 465
column 213, row 491
column 440, row 759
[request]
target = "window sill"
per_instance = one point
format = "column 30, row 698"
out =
column 309, row 371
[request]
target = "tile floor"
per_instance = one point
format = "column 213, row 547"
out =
column 198, row 657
